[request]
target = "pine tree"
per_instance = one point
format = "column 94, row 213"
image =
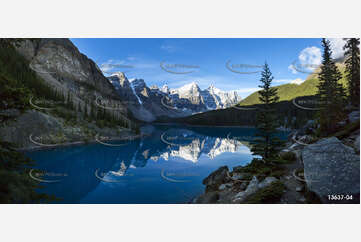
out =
column 267, row 144
column 68, row 100
column 92, row 114
column 331, row 93
column 79, row 108
column 352, row 55
column 86, row 110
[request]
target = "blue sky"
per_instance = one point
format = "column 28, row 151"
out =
column 205, row 61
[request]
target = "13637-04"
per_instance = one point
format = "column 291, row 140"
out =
column 340, row 197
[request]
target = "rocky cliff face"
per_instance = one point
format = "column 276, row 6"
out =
column 151, row 103
column 64, row 68
column 82, row 101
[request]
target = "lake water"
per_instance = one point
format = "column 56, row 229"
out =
column 167, row 166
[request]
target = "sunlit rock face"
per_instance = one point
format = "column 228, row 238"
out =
column 60, row 64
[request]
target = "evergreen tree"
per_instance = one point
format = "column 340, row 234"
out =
column 79, row 108
column 92, row 114
column 267, row 144
column 352, row 54
column 86, row 110
column 68, row 100
column 331, row 93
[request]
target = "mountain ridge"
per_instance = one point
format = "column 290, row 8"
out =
column 149, row 103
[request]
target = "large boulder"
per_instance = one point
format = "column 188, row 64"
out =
column 31, row 122
column 266, row 182
column 251, row 189
column 332, row 168
column 216, row 178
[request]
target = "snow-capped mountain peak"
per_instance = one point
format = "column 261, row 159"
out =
column 154, row 101
column 165, row 89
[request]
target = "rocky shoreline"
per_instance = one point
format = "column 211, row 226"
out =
column 35, row 130
column 311, row 170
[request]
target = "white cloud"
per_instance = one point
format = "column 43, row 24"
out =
column 308, row 60
column 310, row 55
column 297, row 81
column 127, row 65
column 292, row 68
column 337, row 47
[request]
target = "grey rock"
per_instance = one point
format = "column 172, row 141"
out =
column 299, row 189
column 243, row 186
column 10, row 113
column 357, row 144
column 31, row 122
column 305, row 139
column 302, row 199
column 266, row 182
column 216, row 178
column 208, row 197
column 251, row 189
column 295, row 146
column 354, row 116
column 238, row 176
column 330, row 167
column 222, row 187
column 62, row 67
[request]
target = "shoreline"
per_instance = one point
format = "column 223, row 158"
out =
column 220, row 126
column 75, row 143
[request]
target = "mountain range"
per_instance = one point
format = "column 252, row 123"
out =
column 150, row 103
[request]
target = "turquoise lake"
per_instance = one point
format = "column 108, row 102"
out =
column 167, row 166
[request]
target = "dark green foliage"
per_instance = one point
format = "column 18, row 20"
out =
column 267, row 144
column 137, row 130
column 92, row 113
column 79, row 108
column 347, row 130
column 10, row 42
column 331, row 93
column 261, row 170
column 352, row 54
column 86, row 111
column 288, row 156
column 269, row 194
column 18, row 82
column 16, row 186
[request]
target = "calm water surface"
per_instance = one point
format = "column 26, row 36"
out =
column 166, row 167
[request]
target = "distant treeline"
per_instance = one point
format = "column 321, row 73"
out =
column 289, row 115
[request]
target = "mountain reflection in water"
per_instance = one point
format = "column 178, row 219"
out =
column 167, row 166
